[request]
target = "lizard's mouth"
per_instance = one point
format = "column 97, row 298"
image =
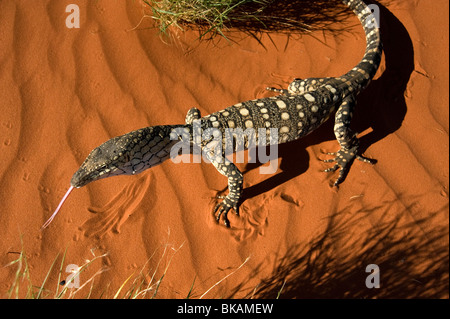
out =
column 85, row 176
column 81, row 178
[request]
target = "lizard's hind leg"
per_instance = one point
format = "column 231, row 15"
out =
column 348, row 142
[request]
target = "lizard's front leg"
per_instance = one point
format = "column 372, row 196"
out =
column 347, row 140
column 235, row 179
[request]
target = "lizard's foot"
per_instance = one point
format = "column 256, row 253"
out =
column 344, row 159
column 224, row 207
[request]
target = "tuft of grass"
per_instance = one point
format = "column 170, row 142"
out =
column 214, row 17
column 143, row 284
column 135, row 286
column 23, row 280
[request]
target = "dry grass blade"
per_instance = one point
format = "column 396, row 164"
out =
column 231, row 273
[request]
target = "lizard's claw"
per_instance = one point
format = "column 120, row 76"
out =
column 344, row 159
column 223, row 208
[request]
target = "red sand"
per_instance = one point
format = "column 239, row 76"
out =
column 65, row 91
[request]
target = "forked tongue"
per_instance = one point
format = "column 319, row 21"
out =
column 57, row 208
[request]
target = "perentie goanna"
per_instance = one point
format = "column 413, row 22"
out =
column 297, row 111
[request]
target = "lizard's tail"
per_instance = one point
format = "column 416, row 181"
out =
column 368, row 66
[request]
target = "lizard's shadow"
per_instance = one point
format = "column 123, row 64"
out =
column 381, row 106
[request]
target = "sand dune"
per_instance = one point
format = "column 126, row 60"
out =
column 66, row 91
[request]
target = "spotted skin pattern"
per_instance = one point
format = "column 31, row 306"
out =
column 297, row 111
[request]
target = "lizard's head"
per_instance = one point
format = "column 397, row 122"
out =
column 105, row 160
column 122, row 155
column 128, row 154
